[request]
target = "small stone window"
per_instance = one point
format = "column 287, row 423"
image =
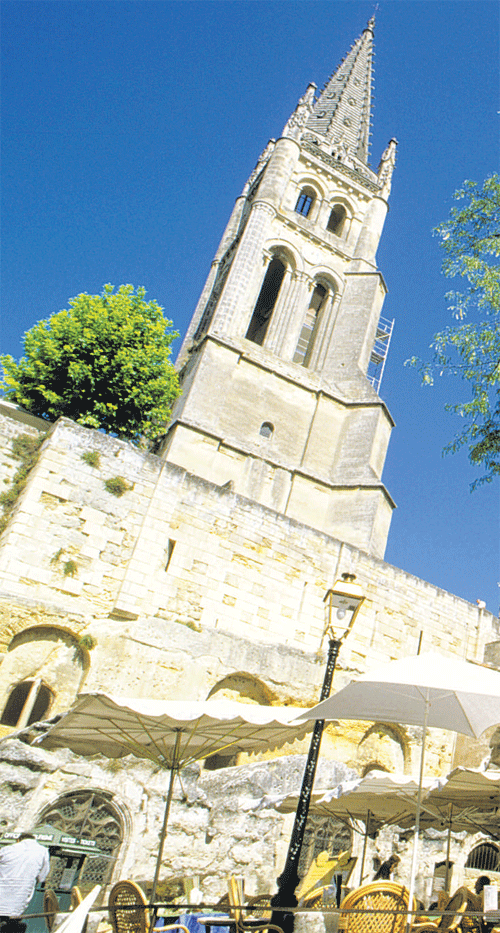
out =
column 266, row 429
column 216, row 762
column 337, row 220
column 28, row 702
column 305, row 201
column 169, row 553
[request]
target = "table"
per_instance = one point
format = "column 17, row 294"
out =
column 191, row 921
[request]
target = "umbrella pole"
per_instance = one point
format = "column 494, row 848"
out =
column 173, row 771
column 413, row 872
column 448, row 849
column 365, row 841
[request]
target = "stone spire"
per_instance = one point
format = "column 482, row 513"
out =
column 340, row 118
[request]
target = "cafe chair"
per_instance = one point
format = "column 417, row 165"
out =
column 237, row 922
column 382, row 906
column 451, row 919
column 127, row 907
column 261, row 906
column 50, row 907
column 76, row 897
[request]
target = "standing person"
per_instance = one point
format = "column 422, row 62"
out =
column 386, row 869
column 21, row 866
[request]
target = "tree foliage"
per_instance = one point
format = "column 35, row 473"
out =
column 470, row 349
column 105, row 363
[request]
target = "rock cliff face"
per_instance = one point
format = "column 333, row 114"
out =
column 217, row 824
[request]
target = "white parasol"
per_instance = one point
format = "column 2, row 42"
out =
column 426, row 690
column 465, row 799
column 75, row 921
column 377, row 799
column 171, row 733
column 468, row 790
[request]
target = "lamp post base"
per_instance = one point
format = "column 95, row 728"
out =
column 285, row 897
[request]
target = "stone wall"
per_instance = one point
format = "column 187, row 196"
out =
column 178, row 588
column 14, row 422
column 176, row 547
column 176, row 553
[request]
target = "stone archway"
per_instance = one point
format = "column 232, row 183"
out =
column 381, row 748
column 243, row 688
column 88, row 814
column 43, row 661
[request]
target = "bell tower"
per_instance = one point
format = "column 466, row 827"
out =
column 276, row 397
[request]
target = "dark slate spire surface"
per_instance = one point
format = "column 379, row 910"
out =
column 341, row 115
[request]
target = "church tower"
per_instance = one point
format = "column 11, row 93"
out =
column 276, row 397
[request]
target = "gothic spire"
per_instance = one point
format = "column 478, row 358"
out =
column 340, row 117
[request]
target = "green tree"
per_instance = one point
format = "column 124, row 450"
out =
column 470, row 349
column 104, row 363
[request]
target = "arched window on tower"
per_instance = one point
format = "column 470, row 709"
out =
column 28, row 702
column 309, row 330
column 305, row 201
column 337, row 219
column 266, row 301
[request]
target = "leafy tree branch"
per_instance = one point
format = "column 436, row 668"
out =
column 470, row 349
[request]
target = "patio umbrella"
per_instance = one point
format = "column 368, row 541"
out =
column 75, row 921
column 426, row 690
column 465, row 799
column 171, row 734
column 469, row 791
column 377, row 799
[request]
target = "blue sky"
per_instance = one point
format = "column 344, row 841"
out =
column 130, row 127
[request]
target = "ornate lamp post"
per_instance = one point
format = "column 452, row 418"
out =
column 344, row 599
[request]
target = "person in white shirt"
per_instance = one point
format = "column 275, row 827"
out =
column 21, row 866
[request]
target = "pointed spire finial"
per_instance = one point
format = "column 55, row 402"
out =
column 371, row 21
column 340, row 118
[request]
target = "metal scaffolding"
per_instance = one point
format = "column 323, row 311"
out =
column 379, row 352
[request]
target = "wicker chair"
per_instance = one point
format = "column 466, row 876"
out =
column 261, row 906
column 237, row 922
column 386, row 904
column 339, row 874
column 76, row 897
column 451, row 920
column 128, row 910
column 50, row 907
column 133, row 917
column 475, row 903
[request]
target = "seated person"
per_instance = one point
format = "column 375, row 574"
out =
column 475, row 902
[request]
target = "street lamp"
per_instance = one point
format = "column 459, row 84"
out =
column 343, row 602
